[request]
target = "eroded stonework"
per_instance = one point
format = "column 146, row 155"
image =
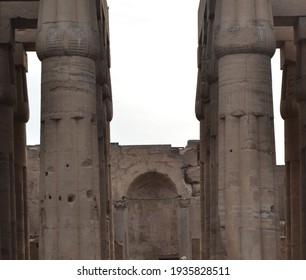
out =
column 219, row 198
column 156, row 200
column 160, row 184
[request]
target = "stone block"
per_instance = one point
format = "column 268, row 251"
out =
column 192, row 175
column 191, row 153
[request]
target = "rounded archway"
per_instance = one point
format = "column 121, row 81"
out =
column 152, row 218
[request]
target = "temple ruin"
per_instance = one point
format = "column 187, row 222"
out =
column 239, row 200
column 224, row 200
column 71, row 39
column 156, row 201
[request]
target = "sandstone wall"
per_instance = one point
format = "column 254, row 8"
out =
column 154, row 188
column 159, row 188
column 155, row 193
column 33, row 156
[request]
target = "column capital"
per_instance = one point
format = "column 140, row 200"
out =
column 184, row 202
column 243, row 30
column 121, row 204
column 67, row 28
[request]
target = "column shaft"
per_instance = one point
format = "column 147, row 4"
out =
column 21, row 116
column 104, row 116
column 290, row 114
column 7, row 185
column 67, row 44
column 244, row 45
column 300, row 40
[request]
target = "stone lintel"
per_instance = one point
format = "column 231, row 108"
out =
column 23, row 23
column 283, row 33
column 27, row 10
column 27, row 37
column 286, row 12
column 17, row 15
column 284, row 21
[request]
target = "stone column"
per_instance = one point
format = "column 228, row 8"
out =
column 119, row 222
column 200, row 110
column 104, row 116
column 102, row 139
column 290, row 114
column 215, row 194
column 212, row 196
column 7, row 184
column 300, row 39
column 245, row 43
column 21, row 116
column 67, row 45
column 185, row 236
column 203, row 113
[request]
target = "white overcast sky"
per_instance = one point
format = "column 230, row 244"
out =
column 154, row 73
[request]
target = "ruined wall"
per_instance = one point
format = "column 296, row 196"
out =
column 155, row 189
column 156, row 201
column 33, row 157
column 180, row 164
column 156, row 195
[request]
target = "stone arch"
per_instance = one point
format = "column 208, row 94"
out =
column 163, row 186
column 152, row 221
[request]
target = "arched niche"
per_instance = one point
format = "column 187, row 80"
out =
column 152, row 222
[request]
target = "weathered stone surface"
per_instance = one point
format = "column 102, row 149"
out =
column 21, row 117
column 149, row 193
column 154, row 176
column 8, row 234
column 76, row 222
column 238, row 195
column 192, row 175
column 237, row 182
